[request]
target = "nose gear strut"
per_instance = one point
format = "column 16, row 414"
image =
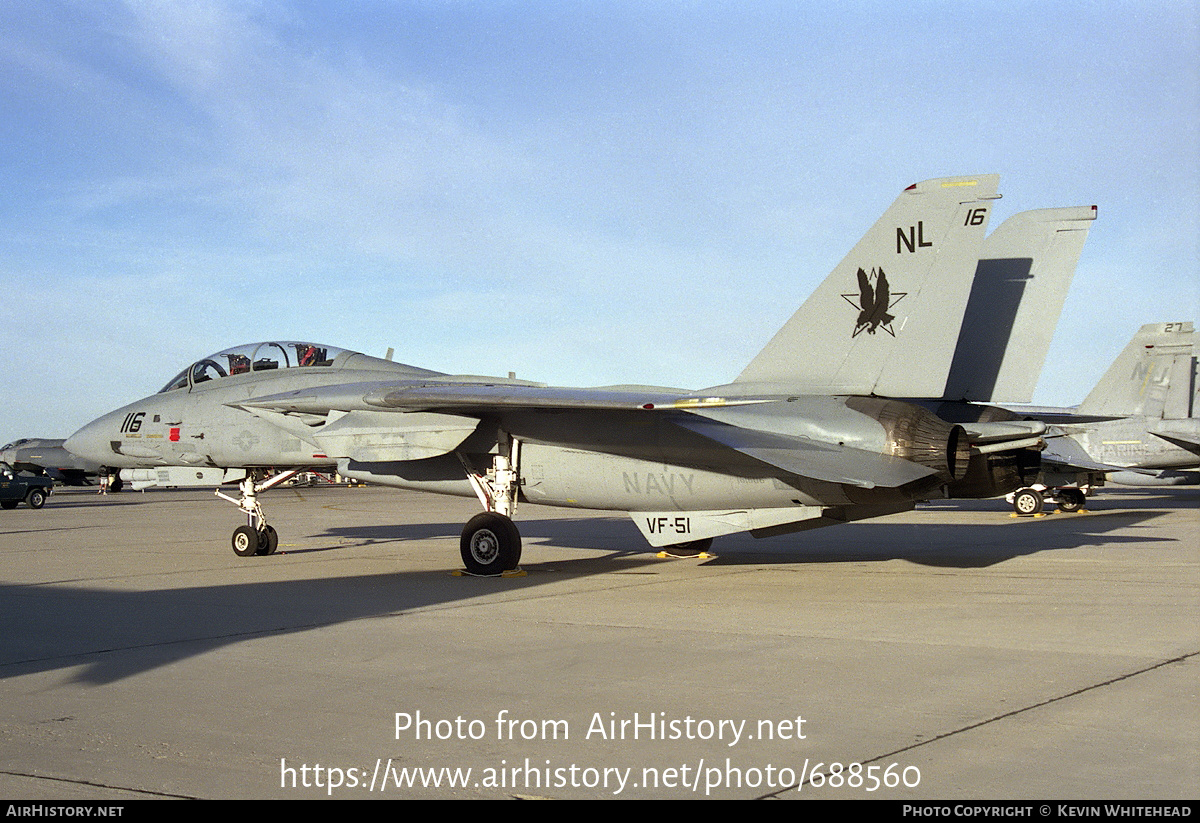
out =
column 257, row 536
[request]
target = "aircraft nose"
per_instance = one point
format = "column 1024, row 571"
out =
column 90, row 443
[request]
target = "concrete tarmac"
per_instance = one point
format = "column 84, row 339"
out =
column 953, row 652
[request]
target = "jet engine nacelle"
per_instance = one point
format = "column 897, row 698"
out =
column 916, row 434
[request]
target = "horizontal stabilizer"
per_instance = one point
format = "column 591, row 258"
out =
column 1067, row 452
column 1183, row 439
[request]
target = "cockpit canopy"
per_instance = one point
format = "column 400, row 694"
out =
column 253, row 357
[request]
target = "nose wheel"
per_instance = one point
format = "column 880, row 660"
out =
column 248, row 541
column 257, row 537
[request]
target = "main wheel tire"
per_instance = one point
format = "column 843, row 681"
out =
column 1071, row 500
column 36, row 498
column 268, row 541
column 8, row 504
column 1027, row 502
column 245, row 541
column 490, row 544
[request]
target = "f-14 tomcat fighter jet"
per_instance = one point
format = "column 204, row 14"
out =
column 1137, row 427
column 811, row 433
column 44, row 456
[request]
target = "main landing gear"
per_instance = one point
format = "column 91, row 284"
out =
column 1029, row 501
column 257, row 537
column 490, row 543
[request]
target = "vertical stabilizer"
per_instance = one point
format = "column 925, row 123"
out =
column 1020, row 286
column 887, row 318
column 1181, row 400
column 1154, row 373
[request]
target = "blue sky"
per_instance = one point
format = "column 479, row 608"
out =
column 583, row 193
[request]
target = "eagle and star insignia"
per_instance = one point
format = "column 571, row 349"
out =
column 874, row 299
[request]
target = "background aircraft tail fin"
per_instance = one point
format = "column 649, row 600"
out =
column 1154, row 376
column 886, row 319
column 1021, row 283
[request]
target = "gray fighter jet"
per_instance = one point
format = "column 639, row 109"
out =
column 44, row 456
column 1137, row 427
column 807, row 435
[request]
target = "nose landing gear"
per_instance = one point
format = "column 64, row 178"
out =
column 257, row 537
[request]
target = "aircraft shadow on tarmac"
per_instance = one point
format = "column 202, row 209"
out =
column 931, row 543
column 942, row 546
column 83, row 498
column 109, row 635
column 1104, row 500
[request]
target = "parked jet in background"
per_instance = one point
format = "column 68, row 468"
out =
column 1138, row 425
column 42, row 456
column 805, row 436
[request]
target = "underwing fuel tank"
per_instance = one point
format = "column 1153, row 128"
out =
column 180, row 477
column 1162, row 478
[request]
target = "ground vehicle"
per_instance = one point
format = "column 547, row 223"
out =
column 15, row 487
